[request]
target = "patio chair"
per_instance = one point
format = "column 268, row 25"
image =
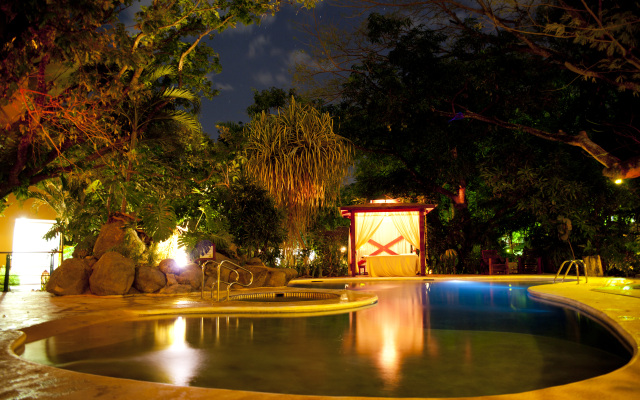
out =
column 362, row 270
column 529, row 262
column 493, row 264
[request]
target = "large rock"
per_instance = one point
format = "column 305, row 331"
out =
column 260, row 274
column 192, row 275
column 169, row 266
column 280, row 276
column 111, row 235
column 71, row 277
column 149, row 279
column 276, row 278
column 113, row 274
column 115, row 236
column 176, row 289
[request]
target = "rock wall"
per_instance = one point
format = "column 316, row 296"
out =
column 115, row 268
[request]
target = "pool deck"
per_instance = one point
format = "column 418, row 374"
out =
column 38, row 314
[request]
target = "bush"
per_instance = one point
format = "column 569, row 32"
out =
column 14, row 280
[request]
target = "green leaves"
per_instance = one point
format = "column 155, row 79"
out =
column 158, row 218
column 298, row 159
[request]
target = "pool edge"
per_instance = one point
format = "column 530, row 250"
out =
column 624, row 313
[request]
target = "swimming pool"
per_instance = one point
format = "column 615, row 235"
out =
column 423, row 339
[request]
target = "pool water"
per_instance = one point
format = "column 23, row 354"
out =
column 423, row 339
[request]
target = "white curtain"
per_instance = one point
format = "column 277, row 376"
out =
column 408, row 224
column 366, row 225
column 386, row 233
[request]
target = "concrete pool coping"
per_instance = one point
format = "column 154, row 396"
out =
column 27, row 312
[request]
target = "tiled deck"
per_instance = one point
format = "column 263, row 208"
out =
column 26, row 311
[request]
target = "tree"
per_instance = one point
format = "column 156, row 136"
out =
column 66, row 65
column 589, row 43
column 255, row 223
column 299, row 160
column 512, row 180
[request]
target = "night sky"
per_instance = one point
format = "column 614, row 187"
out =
column 258, row 57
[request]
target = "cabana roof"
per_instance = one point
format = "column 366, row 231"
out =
column 347, row 211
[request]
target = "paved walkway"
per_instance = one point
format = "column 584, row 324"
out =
column 39, row 314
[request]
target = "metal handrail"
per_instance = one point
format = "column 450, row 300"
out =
column 577, row 263
column 229, row 284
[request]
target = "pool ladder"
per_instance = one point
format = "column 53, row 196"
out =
column 219, row 281
column 577, row 263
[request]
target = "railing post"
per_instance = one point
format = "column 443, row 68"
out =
column 7, row 268
column 51, row 261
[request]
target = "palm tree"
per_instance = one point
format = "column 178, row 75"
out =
column 299, row 160
column 154, row 104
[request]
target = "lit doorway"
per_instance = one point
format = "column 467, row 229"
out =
column 31, row 253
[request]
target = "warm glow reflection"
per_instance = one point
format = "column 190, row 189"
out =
column 390, row 334
column 178, row 360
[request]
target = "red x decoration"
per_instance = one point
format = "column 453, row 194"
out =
column 385, row 247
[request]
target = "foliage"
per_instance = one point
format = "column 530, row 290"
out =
column 582, row 73
column 256, row 225
column 14, row 280
column 328, row 239
column 510, row 181
column 204, row 223
column 66, row 67
column 299, row 160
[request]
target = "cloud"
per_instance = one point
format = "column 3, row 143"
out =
column 257, row 45
column 268, row 78
column 224, row 87
column 297, row 57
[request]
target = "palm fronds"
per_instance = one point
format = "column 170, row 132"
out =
column 299, row 160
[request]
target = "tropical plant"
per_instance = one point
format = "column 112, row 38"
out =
column 66, row 66
column 255, row 223
column 296, row 156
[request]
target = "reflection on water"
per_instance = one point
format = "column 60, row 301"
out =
column 180, row 362
column 421, row 340
column 390, row 332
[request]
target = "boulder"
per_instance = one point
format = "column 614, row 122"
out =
column 260, row 273
column 254, row 261
column 276, row 278
column 71, row 277
column 280, row 276
column 169, row 266
column 115, row 236
column 176, row 289
column 90, row 261
column 113, row 274
column 209, row 282
column 290, row 272
column 149, row 279
column 192, row 275
column 133, row 290
column 171, row 280
column 111, row 235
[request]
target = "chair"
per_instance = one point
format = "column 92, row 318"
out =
column 362, row 270
column 494, row 264
column 529, row 262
